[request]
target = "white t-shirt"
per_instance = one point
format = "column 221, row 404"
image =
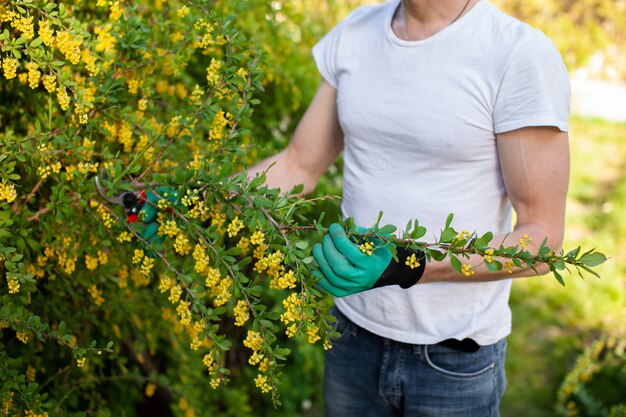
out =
column 420, row 120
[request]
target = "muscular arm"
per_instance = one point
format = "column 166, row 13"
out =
column 315, row 145
column 535, row 167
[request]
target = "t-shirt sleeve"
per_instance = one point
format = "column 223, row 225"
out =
column 535, row 88
column 325, row 55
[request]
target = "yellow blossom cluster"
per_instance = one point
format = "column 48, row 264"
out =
column 244, row 244
column 213, row 277
column 9, row 66
column 182, row 245
column 63, row 98
column 508, row 266
column 285, row 281
column 8, row 192
column 150, row 389
column 96, row 295
column 184, row 313
column 312, row 333
column 261, row 382
column 13, row 284
column 467, row 270
column 69, row 46
column 412, row 261
column 221, row 121
column 124, row 237
column 168, row 228
column 81, row 362
column 214, row 72
column 34, row 75
column 241, row 313
column 367, row 248
column 175, row 293
column 50, row 82
column 488, row 256
column 257, row 238
column 30, row 413
column 44, row 171
column 221, row 293
column 22, row 336
column 25, row 25
column 106, row 217
column 292, row 314
column 234, row 227
column 105, row 41
column 524, row 241
column 46, row 34
column 253, row 341
column 463, row 235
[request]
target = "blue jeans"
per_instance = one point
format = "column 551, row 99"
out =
column 367, row 375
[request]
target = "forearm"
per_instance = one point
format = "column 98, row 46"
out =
column 282, row 173
column 443, row 271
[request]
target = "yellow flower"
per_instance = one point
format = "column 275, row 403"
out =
column 367, row 248
column 488, row 256
column 253, row 340
column 150, row 389
column 508, row 266
column 80, row 362
column 183, row 11
column 412, row 261
column 14, row 284
column 63, row 98
column 213, row 72
column 463, row 235
column 261, row 383
column 34, row 75
column 50, row 82
column 91, row 262
column 257, row 238
column 7, row 192
column 175, row 293
column 22, row 336
column 234, row 227
column 9, row 66
column 241, row 313
column 467, row 270
column 25, row 25
column 116, row 11
column 96, row 295
column 45, row 33
column 524, row 241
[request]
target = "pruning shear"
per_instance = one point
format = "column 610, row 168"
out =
column 132, row 201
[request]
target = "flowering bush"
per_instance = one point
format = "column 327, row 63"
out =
column 97, row 318
column 596, row 384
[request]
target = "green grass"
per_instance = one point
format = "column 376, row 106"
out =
column 552, row 324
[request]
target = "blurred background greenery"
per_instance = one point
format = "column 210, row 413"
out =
column 552, row 325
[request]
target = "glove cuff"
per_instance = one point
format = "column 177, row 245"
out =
column 399, row 273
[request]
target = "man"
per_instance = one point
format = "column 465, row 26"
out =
column 439, row 106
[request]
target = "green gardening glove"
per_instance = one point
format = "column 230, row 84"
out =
column 346, row 269
column 148, row 213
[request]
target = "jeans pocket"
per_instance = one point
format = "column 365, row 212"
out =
column 342, row 324
column 459, row 364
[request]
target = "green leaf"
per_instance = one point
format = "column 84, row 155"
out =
column 302, row 244
column 436, row 255
column 456, row 264
column 558, row 277
column 449, row 220
column 387, row 229
column 593, row 259
column 448, row 235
